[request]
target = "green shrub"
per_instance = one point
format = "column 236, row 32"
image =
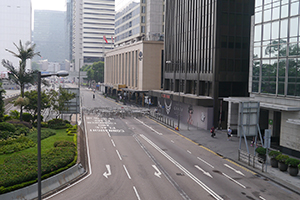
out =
column 24, row 130
column 64, row 144
column 261, row 150
column 27, row 117
column 273, row 154
column 18, row 123
column 7, row 117
column 44, row 124
column 14, row 114
column 5, row 126
column 44, row 134
column 282, row 158
column 5, row 134
column 57, row 123
column 292, row 162
column 15, row 145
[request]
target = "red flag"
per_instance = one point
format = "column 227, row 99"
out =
column 105, row 39
column 112, row 39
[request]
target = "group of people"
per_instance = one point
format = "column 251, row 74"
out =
column 229, row 132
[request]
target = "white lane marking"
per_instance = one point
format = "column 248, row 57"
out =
column 107, row 133
column 127, row 172
column 189, row 152
column 204, row 172
column 206, row 162
column 113, row 143
column 90, row 169
column 157, row 173
column 172, row 141
column 108, row 171
column 234, row 180
column 136, row 193
column 119, row 154
column 262, row 198
column 148, row 127
column 236, row 171
column 200, row 183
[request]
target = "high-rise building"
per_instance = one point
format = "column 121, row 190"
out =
column 143, row 18
column 97, row 23
column 15, row 23
column 206, row 59
column 69, row 29
column 274, row 78
column 49, row 35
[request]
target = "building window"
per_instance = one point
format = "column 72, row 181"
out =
column 143, row 9
column 142, row 29
column 143, row 19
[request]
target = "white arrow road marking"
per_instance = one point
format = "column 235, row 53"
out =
column 157, row 173
column 236, row 171
column 108, row 173
column 204, row 172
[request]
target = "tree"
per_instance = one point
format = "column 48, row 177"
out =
column 21, row 76
column 32, row 97
column 95, row 71
column 58, row 100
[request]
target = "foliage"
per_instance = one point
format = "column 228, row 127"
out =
column 27, row 117
column 59, row 99
column 282, row 158
column 273, row 154
column 58, row 123
column 4, row 126
column 45, row 133
column 32, row 97
column 64, row 144
column 19, row 75
column 18, row 123
column 261, row 150
column 14, row 114
column 95, row 71
column 14, row 145
column 23, row 167
column 292, row 162
column 7, row 117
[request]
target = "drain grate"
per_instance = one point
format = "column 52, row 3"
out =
column 180, row 174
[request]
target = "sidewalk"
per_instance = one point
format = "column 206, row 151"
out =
column 229, row 149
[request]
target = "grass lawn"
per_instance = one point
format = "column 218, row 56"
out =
column 46, row 144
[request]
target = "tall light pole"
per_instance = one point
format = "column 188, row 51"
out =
column 179, row 87
column 40, row 76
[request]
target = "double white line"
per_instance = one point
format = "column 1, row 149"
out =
column 206, row 188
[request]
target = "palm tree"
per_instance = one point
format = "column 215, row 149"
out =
column 21, row 76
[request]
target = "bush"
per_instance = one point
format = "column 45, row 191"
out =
column 44, row 134
column 282, row 158
column 22, row 130
column 7, row 117
column 16, row 123
column 5, row 134
column 292, row 162
column 273, row 154
column 14, row 114
column 64, row 144
column 58, row 123
column 27, row 117
column 261, row 150
column 5, row 126
column 15, row 145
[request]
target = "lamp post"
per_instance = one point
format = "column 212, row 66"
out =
column 179, row 87
column 40, row 76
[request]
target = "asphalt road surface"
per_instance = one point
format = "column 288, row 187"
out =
column 137, row 158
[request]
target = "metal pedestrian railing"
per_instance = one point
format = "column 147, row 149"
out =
column 251, row 160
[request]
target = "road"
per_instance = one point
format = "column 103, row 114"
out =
column 137, row 158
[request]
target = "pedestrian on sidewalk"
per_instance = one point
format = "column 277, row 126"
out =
column 212, row 130
column 229, row 131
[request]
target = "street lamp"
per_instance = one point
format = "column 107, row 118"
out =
column 179, row 87
column 40, row 76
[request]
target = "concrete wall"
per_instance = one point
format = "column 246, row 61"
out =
column 289, row 133
column 48, row 185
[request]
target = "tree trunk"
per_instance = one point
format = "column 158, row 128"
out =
column 21, row 106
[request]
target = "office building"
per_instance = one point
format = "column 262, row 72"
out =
column 274, row 78
column 206, row 59
column 97, row 22
column 49, row 35
column 15, row 23
column 143, row 18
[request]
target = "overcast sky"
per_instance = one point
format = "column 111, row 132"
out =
column 61, row 4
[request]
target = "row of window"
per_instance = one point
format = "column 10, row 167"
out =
column 278, row 76
column 127, row 25
column 127, row 17
column 130, row 33
column 275, row 13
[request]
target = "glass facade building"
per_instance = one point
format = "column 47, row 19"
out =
column 276, row 49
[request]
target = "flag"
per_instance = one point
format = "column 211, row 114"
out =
column 105, row 39
column 112, row 39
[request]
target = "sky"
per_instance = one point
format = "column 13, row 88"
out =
column 61, row 4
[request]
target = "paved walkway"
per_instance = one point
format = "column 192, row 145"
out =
column 229, row 149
